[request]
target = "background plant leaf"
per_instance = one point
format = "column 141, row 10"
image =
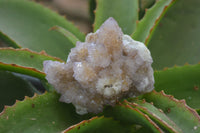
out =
column 72, row 38
column 181, row 82
column 176, row 39
column 146, row 26
column 9, row 42
column 42, row 113
column 27, row 24
column 198, row 111
column 124, row 12
column 13, row 87
column 92, row 7
column 143, row 5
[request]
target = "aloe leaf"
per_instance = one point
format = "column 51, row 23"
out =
column 27, row 24
column 124, row 12
column 92, row 7
column 143, row 130
column 156, row 115
column 25, row 57
column 24, row 61
column 9, row 41
column 144, row 4
column 13, row 87
column 198, row 111
column 98, row 125
column 176, row 40
column 42, row 113
column 128, row 115
column 146, row 26
column 181, row 82
column 23, row 70
column 72, row 38
column 186, row 118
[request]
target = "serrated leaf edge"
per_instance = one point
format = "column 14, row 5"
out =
column 154, row 115
column 33, row 52
column 81, row 123
column 182, row 102
column 152, row 29
column 176, row 66
column 36, row 73
column 18, row 101
column 19, row 69
column 144, row 115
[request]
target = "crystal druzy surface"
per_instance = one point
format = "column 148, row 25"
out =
column 105, row 68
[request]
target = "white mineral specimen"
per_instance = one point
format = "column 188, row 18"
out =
column 107, row 67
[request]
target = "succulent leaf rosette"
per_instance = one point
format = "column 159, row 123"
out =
column 55, row 78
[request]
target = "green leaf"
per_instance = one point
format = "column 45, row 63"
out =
column 156, row 115
column 24, row 61
column 41, row 114
column 13, row 87
column 73, row 39
column 8, row 40
column 128, row 115
column 144, row 4
column 92, row 7
column 186, row 118
column 176, row 40
column 25, row 57
column 198, row 111
column 23, row 70
column 98, row 125
column 181, row 82
column 27, row 24
column 149, row 22
column 124, row 12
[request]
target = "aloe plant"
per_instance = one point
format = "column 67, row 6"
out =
column 34, row 34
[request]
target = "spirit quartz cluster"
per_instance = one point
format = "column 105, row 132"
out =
column 105, row 68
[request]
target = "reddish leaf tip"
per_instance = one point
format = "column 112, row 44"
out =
column 146, row 10
column 196, row 88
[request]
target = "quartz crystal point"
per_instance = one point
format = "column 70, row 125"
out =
column 105, row 68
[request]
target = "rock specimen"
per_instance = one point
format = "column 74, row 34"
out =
column 105, row 68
